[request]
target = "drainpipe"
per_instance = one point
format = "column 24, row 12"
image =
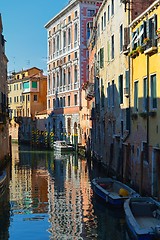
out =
column 147, row 137
column 129, row 89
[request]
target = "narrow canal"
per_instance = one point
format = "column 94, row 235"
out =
column 49, row 197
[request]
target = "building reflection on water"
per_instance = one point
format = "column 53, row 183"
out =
column 69, row 198
column 50, row 197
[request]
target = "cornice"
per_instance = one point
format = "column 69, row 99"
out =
column 153, row 6
column 65, row 10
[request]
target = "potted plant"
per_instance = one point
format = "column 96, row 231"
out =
column 133, row 54
column 140, row 49
column 158, row 32
column 146, row 40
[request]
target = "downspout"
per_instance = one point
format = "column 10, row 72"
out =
column 129, row 89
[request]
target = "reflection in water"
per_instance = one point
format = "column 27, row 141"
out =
column 51, row 198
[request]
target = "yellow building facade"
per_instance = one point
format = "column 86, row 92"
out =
column 145, row 100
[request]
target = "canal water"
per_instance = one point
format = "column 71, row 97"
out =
column 49, row 196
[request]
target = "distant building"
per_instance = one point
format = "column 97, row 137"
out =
column 4, row 134
column 68, row 33
column 27, row 96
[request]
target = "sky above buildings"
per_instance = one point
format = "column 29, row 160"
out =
column 23, row 28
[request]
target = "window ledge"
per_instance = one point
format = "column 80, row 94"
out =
column 150, row 51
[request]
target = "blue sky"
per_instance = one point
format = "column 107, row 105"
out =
column 23, row 28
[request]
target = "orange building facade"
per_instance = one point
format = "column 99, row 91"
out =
column 27, row 96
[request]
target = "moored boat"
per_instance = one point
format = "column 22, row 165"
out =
column 143, row 218
column 112, row 191
column 62, row 146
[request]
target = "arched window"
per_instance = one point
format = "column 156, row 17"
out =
column 75, row 74
column 64, row 77
column 58, row 43
column 54, row 45
column 75, row 32
column 69, row 76
column 69, row 36
column 64, row 39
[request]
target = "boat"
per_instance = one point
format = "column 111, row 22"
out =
column 112, row 191
column 143, row 218
column 62, row 146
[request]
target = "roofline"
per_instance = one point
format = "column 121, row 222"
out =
column 61, row 13
column 28, row 70
column 150, row 8
column 66, row 9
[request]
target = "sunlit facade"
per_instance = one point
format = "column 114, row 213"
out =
column 145, row 95
column 67, row 64
column 26, row 97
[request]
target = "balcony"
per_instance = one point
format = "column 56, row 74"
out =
column 151, row 47
column 89, row 92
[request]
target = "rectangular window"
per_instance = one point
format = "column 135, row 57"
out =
column 35, row 98
column 121, row 89
column 90, row 12
column 102, row 96
column 108, row 12
column 75, row 74
column 75, row 99
column 25, row 85
column 64, row 101
column 102, row 23
column 112, row 50
column 49, row 105
column 108, row 51
column 101, row 57
column 54, row 103
column 104, row 19
column 121, row 37
column 112, row 11
column 145, row 94
column 34, row 84
column 136, row 96
column 153, row 92
column 69, row 101
column 69, row 76
column 112, row 93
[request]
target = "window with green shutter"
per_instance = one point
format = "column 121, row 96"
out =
column 34, row 84
column 121, row 89
column 25, row 85
column 153, row 92
column 101, row 57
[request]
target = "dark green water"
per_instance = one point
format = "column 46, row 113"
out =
column 52, row 198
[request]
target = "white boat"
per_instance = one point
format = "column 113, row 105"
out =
column 62, row 146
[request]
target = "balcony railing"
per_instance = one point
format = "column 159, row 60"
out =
column 151, row 47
